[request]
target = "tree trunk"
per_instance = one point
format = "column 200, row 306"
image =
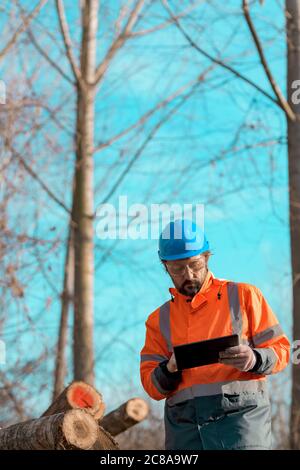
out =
column 130, row 413
column 293, row 74
column 67, row 298
column 78, row 395
column 84, row 204
column 75, row 429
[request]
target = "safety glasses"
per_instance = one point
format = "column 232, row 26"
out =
column 179, row 269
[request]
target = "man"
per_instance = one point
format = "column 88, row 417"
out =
column 223, row 405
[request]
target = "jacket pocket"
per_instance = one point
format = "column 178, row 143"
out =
column 239, row 395
column 238, row 401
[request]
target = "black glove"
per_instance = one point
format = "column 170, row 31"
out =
column 168, row 380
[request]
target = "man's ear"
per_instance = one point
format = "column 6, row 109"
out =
column 207, row 255
column 165, row 266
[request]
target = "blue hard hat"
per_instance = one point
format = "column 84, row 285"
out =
column 180, row 239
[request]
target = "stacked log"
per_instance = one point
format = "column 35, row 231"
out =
column 127, row 415
column 78, row 395
column 75, row 421
column 75, row 429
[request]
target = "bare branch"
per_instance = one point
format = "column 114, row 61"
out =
column 67, row 42
column 48, row 58
column 43, row 52
column 167, row 23
column 124, row 9
column 8, row 388
column 152, row 111
column 119, row 42
column 282, row 102
column 24, row 103
column 148, row 139
column 215, row 60
column 36, row 177
column 22, row 28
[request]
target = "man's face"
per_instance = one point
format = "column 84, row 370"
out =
column 188, row 274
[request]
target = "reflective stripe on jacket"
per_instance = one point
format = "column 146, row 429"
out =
column 220, row 308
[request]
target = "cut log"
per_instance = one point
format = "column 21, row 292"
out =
column 75, row 429
column 105, row 441
column 130, row 413
column 78, row 395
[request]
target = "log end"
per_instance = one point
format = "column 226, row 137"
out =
column 100, row 413
column 84, row 396
column 79, row 428
column 137, row 409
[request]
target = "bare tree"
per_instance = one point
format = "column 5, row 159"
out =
column 88, row 77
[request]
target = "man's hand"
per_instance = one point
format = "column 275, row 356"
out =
column 242, row 357
column 171, row 365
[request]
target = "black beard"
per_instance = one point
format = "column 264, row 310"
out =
column 193, row 288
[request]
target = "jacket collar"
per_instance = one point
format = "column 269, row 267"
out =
column 200, row 297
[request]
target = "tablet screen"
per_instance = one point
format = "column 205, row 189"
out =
column 202, row 353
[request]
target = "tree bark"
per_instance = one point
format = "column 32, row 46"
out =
column 105, row 441
column 84, row 204
column 293, row 74
column 78, row 395
column 75, row 429
column 128, row 414
column 67, row 298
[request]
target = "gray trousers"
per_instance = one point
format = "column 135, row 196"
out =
column 223, row 421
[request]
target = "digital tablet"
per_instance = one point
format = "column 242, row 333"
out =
column 202, row 353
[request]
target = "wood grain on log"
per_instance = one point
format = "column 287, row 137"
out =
column 105, row 441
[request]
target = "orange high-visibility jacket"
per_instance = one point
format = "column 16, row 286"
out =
column 220, row 308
